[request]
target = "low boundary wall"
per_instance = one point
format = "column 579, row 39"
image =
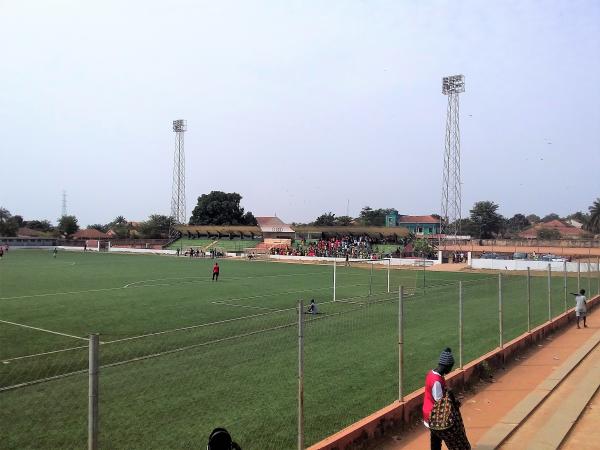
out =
column 520, row 264
column 399, row 416
column 341, row 260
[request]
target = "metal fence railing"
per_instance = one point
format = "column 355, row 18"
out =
column 277, row 379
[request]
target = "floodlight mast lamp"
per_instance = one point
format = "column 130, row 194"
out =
column 451, row 184
column 178, row 190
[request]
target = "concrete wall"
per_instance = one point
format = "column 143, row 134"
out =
column 513, row 264
column 142, row 251
column 393, row 261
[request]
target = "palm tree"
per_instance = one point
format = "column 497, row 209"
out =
column 593, row 224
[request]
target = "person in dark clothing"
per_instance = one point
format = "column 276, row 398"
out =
column 216, row 270
column 220, row 439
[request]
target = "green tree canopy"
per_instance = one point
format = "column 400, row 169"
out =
column 551, row 216
column 374, row 217
column 325, row 220
column 156, row 227
column 39, row 225
column 9, row 225
column 548, row 234
column 68, row 225
column 517, row 223
column 593, row 223
column 221, row 208
column 486, row 219
column 98, row 226
column 533, row 219
column 343, row 221
column 424, row 248
column 120, row 226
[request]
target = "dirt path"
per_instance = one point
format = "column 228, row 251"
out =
column 492, row 401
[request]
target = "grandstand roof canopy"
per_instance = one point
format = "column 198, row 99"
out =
column 354, row 230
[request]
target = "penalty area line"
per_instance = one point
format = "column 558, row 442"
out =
column 245, row 306
column 44, row 330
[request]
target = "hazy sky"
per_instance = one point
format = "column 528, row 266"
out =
column 299, row 106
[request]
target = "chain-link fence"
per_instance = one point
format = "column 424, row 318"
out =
column 278, row 378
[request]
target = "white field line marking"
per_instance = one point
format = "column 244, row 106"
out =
column 207, row 278
column 200, row 279
column 49, row 294
column 167, row 352
column 245, row 306
column 191, row 327
column 16, row 358
column 43, row 329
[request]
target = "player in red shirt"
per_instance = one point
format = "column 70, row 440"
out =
column 216, row 272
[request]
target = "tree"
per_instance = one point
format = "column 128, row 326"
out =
column 468, row 228
column 9, row 226
column 120, row 226
column 374, row 217
column 424, row 248
column 68, row 225
column 325, row 220
column 220, row 208
column 156, row 227
column 39, row 225
column 533, row 219
column 486, row 219
column 98, row 226
column 593, row 223
column 547, row 234
column 343, row 221
column 580, row 217
column 551, row 216
column 517, row 223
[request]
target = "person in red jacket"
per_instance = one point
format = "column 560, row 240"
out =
column 216, row 272
column 455, row 438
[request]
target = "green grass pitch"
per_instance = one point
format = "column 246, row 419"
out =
column 181, row 354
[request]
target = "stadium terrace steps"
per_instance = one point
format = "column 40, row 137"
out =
column 544, row 418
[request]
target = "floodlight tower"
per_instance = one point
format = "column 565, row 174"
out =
column 451, row 185
column 64, row 203
column 178, row 190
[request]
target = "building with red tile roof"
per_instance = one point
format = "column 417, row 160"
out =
column 565, row 230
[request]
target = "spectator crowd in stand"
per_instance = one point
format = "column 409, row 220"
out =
column 353, row 246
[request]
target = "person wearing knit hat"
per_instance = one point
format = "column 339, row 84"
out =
column 447, row 359
column 435, row 388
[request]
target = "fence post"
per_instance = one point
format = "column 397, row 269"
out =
column 371, row 280
column 500, row 310
column 94, row 344
column 401, row 344
column 460, row 325
column 549, row 292
column 334, row 278
column 388, row 274
column 589, row 291
column 578, row 275
column 565, row 283
column 528, row 300
column 300, row 375
column 598, row 268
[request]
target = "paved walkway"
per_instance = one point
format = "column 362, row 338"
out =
column 491, row 404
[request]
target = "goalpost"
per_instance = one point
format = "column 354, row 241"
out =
column 382, row 280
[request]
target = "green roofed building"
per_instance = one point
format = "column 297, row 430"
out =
column 419, row 225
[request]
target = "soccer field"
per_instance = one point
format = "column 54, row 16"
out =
column 181, row 355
